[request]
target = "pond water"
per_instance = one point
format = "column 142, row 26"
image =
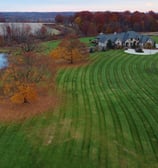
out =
column 3, row 60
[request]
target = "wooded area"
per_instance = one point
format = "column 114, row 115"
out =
column 91, row 23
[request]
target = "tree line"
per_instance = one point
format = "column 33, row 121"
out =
column 12, row 34
column 90, row 23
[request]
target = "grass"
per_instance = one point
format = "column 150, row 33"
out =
column 49, row 46
column 108, row 118
column 87, row 40
column 155, row 38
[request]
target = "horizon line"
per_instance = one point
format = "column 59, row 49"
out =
column 80, row 11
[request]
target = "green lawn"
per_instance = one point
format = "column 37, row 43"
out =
column 108, row 118
column 50, row 45
column 155, row 38
column 87, row 40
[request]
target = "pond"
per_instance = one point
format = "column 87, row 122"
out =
column 3, row 60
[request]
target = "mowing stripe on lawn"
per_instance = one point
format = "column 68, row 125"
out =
column 137, row 102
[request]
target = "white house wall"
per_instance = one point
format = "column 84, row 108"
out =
column 118, row 42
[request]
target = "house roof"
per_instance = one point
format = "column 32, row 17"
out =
column 122, row 36
column 144, row 39
column 133, row 34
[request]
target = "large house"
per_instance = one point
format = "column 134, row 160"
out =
column 129, row 39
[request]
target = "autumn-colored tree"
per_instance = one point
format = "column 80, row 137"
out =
column 111, row 22
column 85, row 15
column 78, row 21
column 92, row 30
column 71, row 50
column 99, row 20
column 59, row 18
column 13, row 33
column 29, row 44
column 24, row 75
column 43, row 33
column 1, row 41
column 25, row 93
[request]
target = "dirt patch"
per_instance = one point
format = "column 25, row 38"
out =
column 16, row 112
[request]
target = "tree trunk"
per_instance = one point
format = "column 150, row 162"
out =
column 71, row 59
column 25, row 100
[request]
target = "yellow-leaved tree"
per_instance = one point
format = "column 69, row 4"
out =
column 25, row 93
column 71, row 49
column 24, row 75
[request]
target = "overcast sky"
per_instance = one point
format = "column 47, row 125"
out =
column 78, row 5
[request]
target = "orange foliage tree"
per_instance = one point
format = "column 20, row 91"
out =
column 24, row 93
column 71, row 49
column 1, row 41
column 24, row 75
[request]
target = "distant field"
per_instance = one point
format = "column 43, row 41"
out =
column 34, row 27
column 108, row 118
